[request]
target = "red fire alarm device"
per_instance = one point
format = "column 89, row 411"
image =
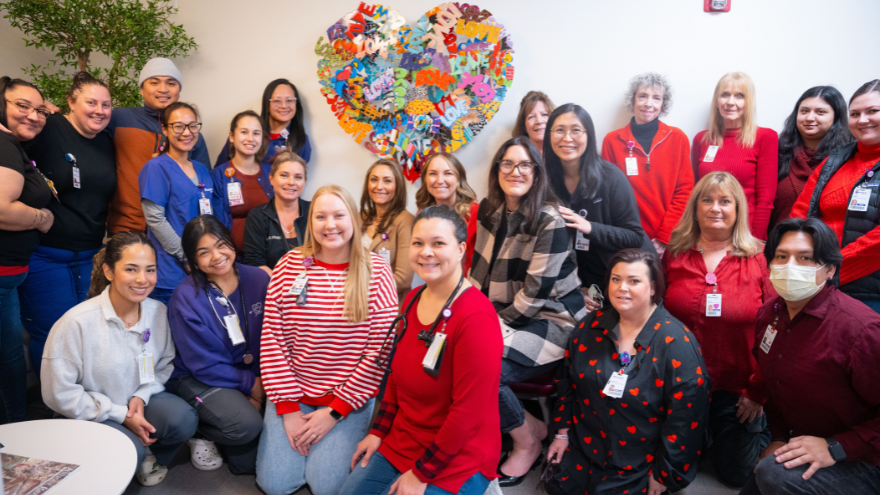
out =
column 716, row 5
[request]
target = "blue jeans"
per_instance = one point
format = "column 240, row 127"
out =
column 509, row 407
column 161, row 295
column 175, row 422
column 13, row 372
column 379, row 475
column 282, row 470
column 843, row 478
column 57, row 281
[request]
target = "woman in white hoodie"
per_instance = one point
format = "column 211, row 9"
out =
column 108, row 358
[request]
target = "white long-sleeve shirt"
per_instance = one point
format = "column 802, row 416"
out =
column 89, row 367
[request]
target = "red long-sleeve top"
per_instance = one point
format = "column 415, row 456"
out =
column 860, row 258
column 756, row 169
column 664, row 180
column 727, row 340
column 445, row 428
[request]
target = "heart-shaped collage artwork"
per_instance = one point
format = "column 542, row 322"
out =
column 407, row 92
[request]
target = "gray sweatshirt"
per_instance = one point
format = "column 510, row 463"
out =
column 90, row 360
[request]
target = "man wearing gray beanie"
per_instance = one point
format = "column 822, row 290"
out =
column 137, row 134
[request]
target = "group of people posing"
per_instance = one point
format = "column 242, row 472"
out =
column 715, row 299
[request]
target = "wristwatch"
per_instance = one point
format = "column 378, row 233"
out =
column 836, row 450
column 336, row 414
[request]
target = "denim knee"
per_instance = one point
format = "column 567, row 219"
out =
column 774, row 478
column 182, row 425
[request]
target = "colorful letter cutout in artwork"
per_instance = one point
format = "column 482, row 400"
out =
column 407, row 92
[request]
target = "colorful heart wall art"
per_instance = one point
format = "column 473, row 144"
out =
column 407, row 92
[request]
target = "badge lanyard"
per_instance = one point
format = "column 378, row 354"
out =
column 617, row 382
column 384, row 252
column 48, row 182
column 145, row 364
column 76, row 178
column 581, row 243
column 284, row 134
column 770, row 332
column 233, row 189
column 232, row 318
column 632, row 163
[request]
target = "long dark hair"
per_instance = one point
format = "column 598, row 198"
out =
column 8, row 84
column 110, row 254
column 197, row 228
column 790, row 141
column 591, row 173
column 369, row 211
column 264, row 142
column 297, row 137
column 538, row 195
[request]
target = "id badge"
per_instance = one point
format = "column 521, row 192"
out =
column 299, row 284
column 145, row 367
column 615, row 386
column 859, row 201
column 386, row 255
column 769, row 337
column 76, row 180
column 205, row 207
column 632, row 166
column 710, row 154
column 713, row 304
column 233, row 328
column 431, row 363
column 233, row 191
column 581, row 243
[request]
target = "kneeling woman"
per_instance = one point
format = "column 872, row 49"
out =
column 634, row 396
column 437, row 428
column 216, row 316
column 328, row 308
column 524, row 263
column 98, row 358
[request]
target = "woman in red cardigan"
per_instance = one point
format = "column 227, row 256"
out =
column 437, row 429
column 654, row 157
column 844, row 192
column 734, row 143
column 717, row 280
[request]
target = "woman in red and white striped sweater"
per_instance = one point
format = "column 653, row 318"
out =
column 328, row 309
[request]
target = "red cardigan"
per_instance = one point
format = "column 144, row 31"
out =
column 756, row 169
column 445, row 428
column 727, row 340
column 860, row 258
column 665, row 179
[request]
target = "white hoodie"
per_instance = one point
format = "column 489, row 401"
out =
column 89, row 367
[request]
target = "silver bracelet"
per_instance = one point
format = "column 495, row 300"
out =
column 562, row 437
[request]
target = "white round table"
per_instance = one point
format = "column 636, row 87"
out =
column 106, row 457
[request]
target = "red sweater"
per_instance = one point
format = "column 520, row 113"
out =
column 471, row 237
column 253, row 195
column 665, row 179
column 727, row 341
column 756, row 169
column 311, row 353
column 860, row 258
column 445, row 428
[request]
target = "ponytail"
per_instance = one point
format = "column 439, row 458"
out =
column 112, row 253
column 99, row 280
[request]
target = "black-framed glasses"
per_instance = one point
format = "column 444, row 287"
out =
column 525, row 168
column 179, row 127
column 29, row 109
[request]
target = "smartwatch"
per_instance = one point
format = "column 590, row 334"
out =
column 338, row 415
column 836, row 450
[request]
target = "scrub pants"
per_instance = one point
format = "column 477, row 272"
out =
column 57, row 281
column 13, row 372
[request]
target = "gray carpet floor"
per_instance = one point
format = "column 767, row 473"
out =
column 184, row 479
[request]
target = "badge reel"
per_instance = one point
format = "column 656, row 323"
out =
column 231, row 321
column 233, row 189
column 204, row 203
column 436, row 345
column 384, row 252
column 595, row 293
column 581, row 243
column 713, row 300
column 145, row 364
column 76, row 178
column 632, row 164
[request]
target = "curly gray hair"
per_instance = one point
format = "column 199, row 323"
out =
column 649, row 79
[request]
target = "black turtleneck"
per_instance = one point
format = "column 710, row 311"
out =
column 644, row 133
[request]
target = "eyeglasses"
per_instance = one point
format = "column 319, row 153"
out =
column 525, row 168
column 29, row 109
column 179, row 127
column 550, row 470
column 289, row 102
column 575, row 133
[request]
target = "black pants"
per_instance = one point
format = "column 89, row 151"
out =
column 843, row 478
column 227, row 418
column 735, row 446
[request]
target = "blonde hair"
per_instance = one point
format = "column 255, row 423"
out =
column 749, row 124
column 687, row 232
column 465, row 195
column 360, row 267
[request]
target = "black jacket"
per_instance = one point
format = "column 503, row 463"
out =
column 614, row 215
column 856, row 223
column 264, row 241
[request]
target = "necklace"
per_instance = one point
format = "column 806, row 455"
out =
column 704, row 250
column 129, row 325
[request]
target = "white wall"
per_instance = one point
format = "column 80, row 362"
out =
column 576, row 51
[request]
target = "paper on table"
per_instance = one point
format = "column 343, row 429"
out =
column 26, row 476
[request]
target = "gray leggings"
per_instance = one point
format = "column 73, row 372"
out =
column 226, row 417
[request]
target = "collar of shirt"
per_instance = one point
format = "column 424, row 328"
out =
column 608, row 318
column 817, row 307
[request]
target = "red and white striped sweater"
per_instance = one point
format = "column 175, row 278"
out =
column 311, row 353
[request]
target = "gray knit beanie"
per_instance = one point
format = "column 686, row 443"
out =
column 159, row 66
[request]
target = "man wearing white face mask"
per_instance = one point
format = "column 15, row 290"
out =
column 818, row 351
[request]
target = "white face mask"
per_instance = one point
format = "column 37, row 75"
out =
column 795, row 282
